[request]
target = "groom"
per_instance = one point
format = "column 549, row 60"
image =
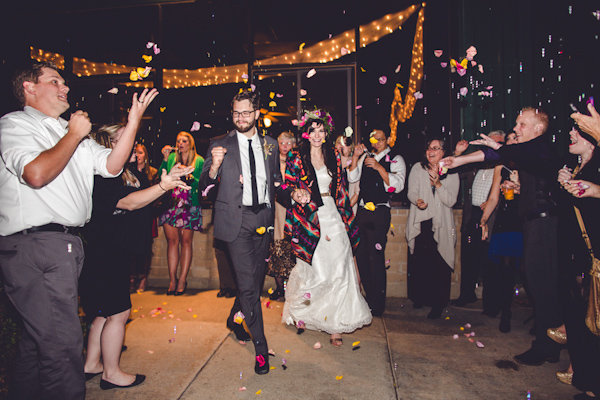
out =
column 244, row 167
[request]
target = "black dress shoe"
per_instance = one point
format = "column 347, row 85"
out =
column 239, row 331
column 277, row 295
column 261, row 365
column 105, row 385
column 230, row 293
column 463, row 301
column 533, row 357
column 222, row 293
column 435, row 312
column 91, row 375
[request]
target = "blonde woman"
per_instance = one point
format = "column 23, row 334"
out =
column 185, row 216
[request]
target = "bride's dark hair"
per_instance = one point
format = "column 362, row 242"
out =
column 327, row 149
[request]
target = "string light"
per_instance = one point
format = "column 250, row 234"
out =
column 403, row 111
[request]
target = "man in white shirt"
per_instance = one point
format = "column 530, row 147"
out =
column 46, row 180
column 381, row 174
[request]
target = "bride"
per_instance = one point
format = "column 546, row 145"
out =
column 322, row 292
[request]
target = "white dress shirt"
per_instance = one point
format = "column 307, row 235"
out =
column 397, row 174
column 482, row 183
column 261, row 173
column 66, row 200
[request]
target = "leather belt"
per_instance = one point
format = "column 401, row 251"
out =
column 325, row 194
column 50, row 228
column 260, row 207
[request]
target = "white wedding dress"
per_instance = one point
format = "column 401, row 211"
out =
column 325, row 295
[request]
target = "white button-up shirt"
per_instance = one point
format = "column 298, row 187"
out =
column 261, row 173
column 66, row 200
column 397, row 174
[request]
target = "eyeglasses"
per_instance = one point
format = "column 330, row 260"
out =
column 244, row 114
column 380, row 140
column 435, row 148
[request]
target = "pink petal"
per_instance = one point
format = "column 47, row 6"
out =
column 383, row 80
column 455, row 336
column 317, row 346
column 305, row 135
column 195, row 126
column 391, row 189
column 207, row 126
column 113, row 90
column 149, row 45
column 461, row 71
column 205, row 191
column 479, row 344
column 261, row 360
column 464, row 91
column 473, row 63
column 253, row 87
column 306, row 295
column 438, row 53
column 295, row 240
column 244, row 76
column 467, row 325
column 344, row 51
column 480, row 68
column 242, row 389
column 378, row 246
column 444, row 64
column 303, row 92
column 311, row 73
column 398, row 68
column 156, row 49
column 358, row 107
column 189, row 310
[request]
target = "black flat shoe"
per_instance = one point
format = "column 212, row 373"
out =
column 277, row 295
column 230, row 293
column 105, row 385
column 91, row 375
column 222, row 293
column 261, row 365
column 182, row 292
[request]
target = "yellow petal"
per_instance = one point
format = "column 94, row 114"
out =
column 339, row 377
column 373, row 140
column 453, row 62
column 272, row 104
column 195, row 315
column 302, row 46
column 147, row 58
column 133, row 76
column 143, row 72
column 259, row 391
column 464, row 62
column 272, row 94
column 272, row 367
column 270, row 291
column 162, row 109
column 261, row 230
column 391, row 225
column 304, row 178
column 370, row 206
column 356, row 343
column 287, row 351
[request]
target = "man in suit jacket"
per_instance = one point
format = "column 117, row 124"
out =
column 244, row 211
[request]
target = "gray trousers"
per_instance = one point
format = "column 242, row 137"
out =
column 41, row 271
column 248, row 252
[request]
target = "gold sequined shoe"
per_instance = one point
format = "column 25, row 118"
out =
column 557, row 336
column 565, row 377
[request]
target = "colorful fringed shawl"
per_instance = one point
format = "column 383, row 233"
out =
column 302, row 223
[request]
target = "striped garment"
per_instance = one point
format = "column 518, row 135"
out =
column 302, row 223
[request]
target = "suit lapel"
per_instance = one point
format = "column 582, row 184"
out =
column 233, row 149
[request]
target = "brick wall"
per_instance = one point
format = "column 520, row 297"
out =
column 204, row 274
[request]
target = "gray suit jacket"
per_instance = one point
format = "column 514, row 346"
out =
column 228, row 204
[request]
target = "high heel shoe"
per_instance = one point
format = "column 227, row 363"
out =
column 182, row 292
column 172, row 292
column 557, row 336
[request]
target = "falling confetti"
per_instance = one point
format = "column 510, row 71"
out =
column 356, row 343
column 464, row 91
column 156, row 49
column 272, row 104
column 455, row 336
column 149, row 45
column 344, row 51
column 471, row 52
column 242, row 389
column 113, row 90
column 369, row 206
column 162, row 109
column 311, row 73
column 306, row 296
column 301, row 46
column 146, row 58
column 270, row 291
column 391, row 189
column 479, row 344
column 383, row 80
column 418, row 95
column 303, row 92
column 438, row 53
column 238, row 317
column 444, row 64
column 398, row 68
column 378, row 246
column 195, row 126
column 259, row 391
column 317, row 346
column 348, row 132
column 261, row 230
column 480, row 68
column 339, row 377
column 205, row 191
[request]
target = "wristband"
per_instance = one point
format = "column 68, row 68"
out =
column 159, row 185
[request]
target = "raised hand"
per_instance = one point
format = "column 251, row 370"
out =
column 217, row 155
column 80, row 124
column 168, row 182
column 140, row 104
column 486, row 141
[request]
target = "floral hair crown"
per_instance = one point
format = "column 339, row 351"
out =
column 320, row 115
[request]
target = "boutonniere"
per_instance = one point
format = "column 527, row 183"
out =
column 268, row 148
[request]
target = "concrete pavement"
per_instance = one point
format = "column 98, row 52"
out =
column 187, row 352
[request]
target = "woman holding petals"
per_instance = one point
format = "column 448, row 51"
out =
column 430, row 231
column 108, row 237
column 185, row 216
column 322, row 292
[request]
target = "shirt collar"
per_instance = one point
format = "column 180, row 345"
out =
column 379, row 156
column 244, row 138
column 41, row 117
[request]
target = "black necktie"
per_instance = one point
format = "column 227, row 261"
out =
column 253, row 178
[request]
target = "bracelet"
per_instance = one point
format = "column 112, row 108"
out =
column 161, row 187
